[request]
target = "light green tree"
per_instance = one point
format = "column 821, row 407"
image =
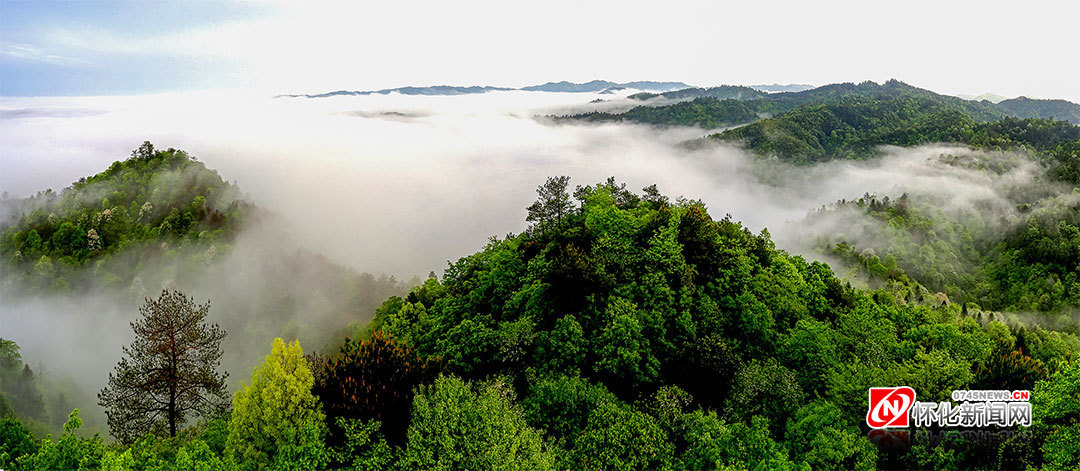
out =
column 277, row 423
column 68, row 452
column 455, row 427
column 821, row 435
column 619, row 437
column 713, row 444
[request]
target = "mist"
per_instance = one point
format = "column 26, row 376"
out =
column 397, row 186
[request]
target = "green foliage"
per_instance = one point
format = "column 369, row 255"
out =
column 824, row 437
column 910, row 243
column 765, row 388
column 362, row 446
column 197, row 455
column 552, row 205
column 623, row 349
column 1056, row 416
column 561, row 406
column 618, row 437
column 455, row 426
column 19, row 389
column 276, row 421
column 68, row 452
column 1008, row 369
column 713, row 444
column 563, row 348
column 15, row 441
column 853, row 128
column 99, row 221
column 116, row 460
column 811, row 350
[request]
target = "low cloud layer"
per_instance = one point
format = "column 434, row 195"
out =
column 401, row 184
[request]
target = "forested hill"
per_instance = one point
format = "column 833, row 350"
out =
column 1050, row 109
column 854, row 128
column 732, row 106
column 140, row 205
column 1028, row 263
column 705, row 112
column 162, row 219
column 639, row 333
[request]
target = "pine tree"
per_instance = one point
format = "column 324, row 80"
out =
column 169, row 372
column 552, row 205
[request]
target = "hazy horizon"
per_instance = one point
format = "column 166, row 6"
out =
column 125, row 48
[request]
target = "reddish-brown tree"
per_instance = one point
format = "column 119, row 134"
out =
column 373, row 379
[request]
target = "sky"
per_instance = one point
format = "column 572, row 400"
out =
column 54, row 48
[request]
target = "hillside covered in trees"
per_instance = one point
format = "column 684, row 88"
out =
column 1027, row 264
column 621, row 331
column 155, row 203
column 726, row 106
column 1018, row 258
column 857, row 128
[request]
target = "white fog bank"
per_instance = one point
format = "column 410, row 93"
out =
column 401, row 184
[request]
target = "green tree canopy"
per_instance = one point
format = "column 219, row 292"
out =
column 458, row 426
column 277, row 423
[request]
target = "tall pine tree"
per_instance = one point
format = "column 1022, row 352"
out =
column 169, row 372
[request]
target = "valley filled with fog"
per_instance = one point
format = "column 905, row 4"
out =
column 400, row 184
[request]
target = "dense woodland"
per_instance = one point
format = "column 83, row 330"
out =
column 622, row 330
column 855, row 128
column 1028, row 266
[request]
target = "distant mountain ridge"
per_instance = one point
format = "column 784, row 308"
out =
column 563, row 87
column 991, row 97
column 432, row 90
column 722, row 92
column 600, row 85
column 777, row 87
